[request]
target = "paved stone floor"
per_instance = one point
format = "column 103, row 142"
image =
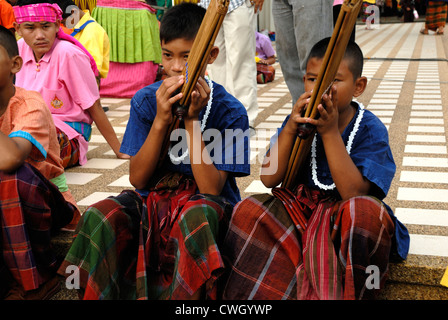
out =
column 407, row 90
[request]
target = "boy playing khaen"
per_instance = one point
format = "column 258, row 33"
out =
column 31, row 207
column 162, row 240
column 347, row 174
column 61, row 69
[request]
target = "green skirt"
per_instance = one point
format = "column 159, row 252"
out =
column 133, row 34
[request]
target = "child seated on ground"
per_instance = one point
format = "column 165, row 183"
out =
column 31, row 207
column 338, row 193
column 265, row 58
column 162, row 240
column 60, row 68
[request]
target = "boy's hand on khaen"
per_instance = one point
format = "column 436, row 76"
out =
column 199, row 99
column 166, row 97
column 296, row 114
column 327, row 122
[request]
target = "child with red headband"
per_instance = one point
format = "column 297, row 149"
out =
column 61, row 69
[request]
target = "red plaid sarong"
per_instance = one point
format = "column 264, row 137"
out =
column 265, row 73
column 31, row 208
column 273, row 259
column 69, row 150
column 162, row 248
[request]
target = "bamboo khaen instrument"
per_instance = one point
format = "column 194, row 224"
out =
column 196, row 62
column 330, row 64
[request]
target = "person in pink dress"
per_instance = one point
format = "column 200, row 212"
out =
column 135, row 52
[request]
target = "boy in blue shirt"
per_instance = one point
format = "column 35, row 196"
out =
column 346, row 229
column 161, row 241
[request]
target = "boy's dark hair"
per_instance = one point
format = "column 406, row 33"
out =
column 28, row 2
column 181, row 21
column 353, row 53
column 64, row 4
column 9, row 42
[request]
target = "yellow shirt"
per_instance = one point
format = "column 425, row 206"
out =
column 95, row 39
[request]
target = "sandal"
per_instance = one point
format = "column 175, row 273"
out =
column 440, row 32
column 424, row 31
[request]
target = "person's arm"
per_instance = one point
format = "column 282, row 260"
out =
column 258, row 5
column 269, row 60
column 208, row 178
column 102, row 122
column 144, row 163
column 276, row 161
column 348, row 179
column 13, row 152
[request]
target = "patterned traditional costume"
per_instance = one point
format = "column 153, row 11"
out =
column 436, row 12
column 163, row 242
column 31, row 207
column 135, row 51
column 272, row 257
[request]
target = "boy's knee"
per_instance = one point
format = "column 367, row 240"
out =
column 217, row 205
column 212, row 210
column 23, row 178
column 366, row 211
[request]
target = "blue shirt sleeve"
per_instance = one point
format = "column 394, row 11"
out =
column 372, row 155
column 141, row 117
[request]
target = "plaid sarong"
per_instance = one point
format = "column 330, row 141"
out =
column 162, row 248
column 272, row 259
column 69, row 149
column 436, row 12
column 31, row 208
column 267, row 72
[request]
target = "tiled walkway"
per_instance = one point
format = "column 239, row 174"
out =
column 407, row 90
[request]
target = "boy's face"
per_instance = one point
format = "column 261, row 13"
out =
column 174, row 55
column 39, row 36
column 347, row 87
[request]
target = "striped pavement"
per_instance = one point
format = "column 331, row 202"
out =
column 407, row 90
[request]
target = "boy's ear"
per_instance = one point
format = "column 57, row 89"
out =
column 360, row 86
column 17, row 27
column 213, row 54
column 17, row 63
